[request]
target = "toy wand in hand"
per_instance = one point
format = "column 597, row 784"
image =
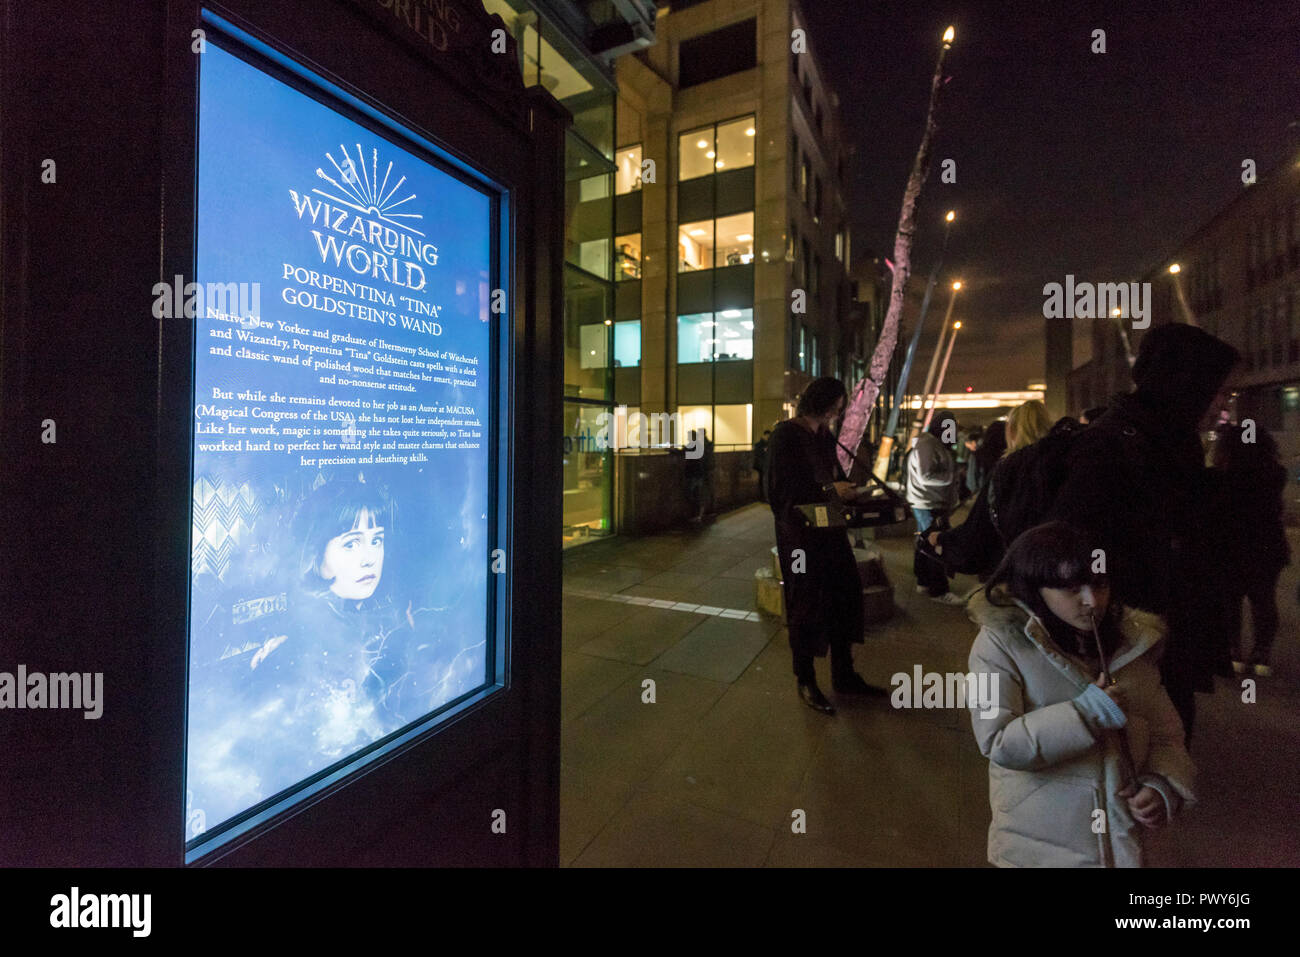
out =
column 1125, row 755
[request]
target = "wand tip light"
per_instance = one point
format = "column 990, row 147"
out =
column 1175, row 269
column 951, row 215
column 956, row 285
column 956, row 325
column 949, row 34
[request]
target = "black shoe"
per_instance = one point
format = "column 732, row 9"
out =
column 812, row 696
column 852, row 683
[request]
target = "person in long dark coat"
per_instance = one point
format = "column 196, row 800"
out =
column 760, row 463
column 1137, row 483
column 823, row 591
column 991, row 448
column 1250, row 537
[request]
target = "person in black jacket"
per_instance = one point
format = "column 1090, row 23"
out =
column 992, row 447
column 1251, row 540
column 823, row 592
column 760, row 463
column 976, row 546
column 1137, row 484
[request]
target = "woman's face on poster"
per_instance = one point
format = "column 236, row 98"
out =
column 354, row 561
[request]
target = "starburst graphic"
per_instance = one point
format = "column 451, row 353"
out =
column 364, row 192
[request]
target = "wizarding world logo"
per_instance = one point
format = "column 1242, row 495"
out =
column 361, row 222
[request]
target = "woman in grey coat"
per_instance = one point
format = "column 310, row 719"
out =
column 1079, row 767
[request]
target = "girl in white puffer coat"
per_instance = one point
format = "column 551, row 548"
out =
column 1079, row 768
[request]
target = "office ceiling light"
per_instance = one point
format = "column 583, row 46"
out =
column 703, row 144
column 744, row 238
column 710, row 154
column 730, row 313
column 749, row 132
column 697, row 232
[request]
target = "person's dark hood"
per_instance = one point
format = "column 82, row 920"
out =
column 1179, row 369
column 937, row 424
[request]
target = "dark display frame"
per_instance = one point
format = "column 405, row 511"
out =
column 105, row 542
column 269, row 61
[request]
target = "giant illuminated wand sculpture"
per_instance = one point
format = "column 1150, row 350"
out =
column 862, row 399
column 891, row 426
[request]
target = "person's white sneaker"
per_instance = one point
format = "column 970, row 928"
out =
column 922, row 590
column 1239, row 667
column 948, row 598
column 1264, row 671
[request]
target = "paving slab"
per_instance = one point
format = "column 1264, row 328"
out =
column 644, row 634
column 719, row 648
column 658, row 830
column 628, row 738
column 747, row 756
column 586, row 679
column 588, row 801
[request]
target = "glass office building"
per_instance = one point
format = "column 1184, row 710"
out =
column 741, row 246
column 567, row 48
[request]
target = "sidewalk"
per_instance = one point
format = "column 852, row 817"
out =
column 713, row 772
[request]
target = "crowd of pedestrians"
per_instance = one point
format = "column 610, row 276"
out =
column 1115, row 558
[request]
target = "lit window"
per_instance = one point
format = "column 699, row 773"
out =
column 735, row 242
column 627, row 257
column 724, row 336
column 736, row 144
column 693, row 149
column 695, row 338
column 627, row 344
column 693, row 418
column 592, row 341
column 732, row 425
column 734, row 332
column 695, row 246
column 628, row 176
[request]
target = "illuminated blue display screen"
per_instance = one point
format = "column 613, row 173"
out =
column 340, row 515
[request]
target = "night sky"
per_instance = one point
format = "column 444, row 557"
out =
column 1067, row 161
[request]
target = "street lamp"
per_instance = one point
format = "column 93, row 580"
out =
column 919, row 422
column 1174, row 270
column 1117, row 315
column 943, row 371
